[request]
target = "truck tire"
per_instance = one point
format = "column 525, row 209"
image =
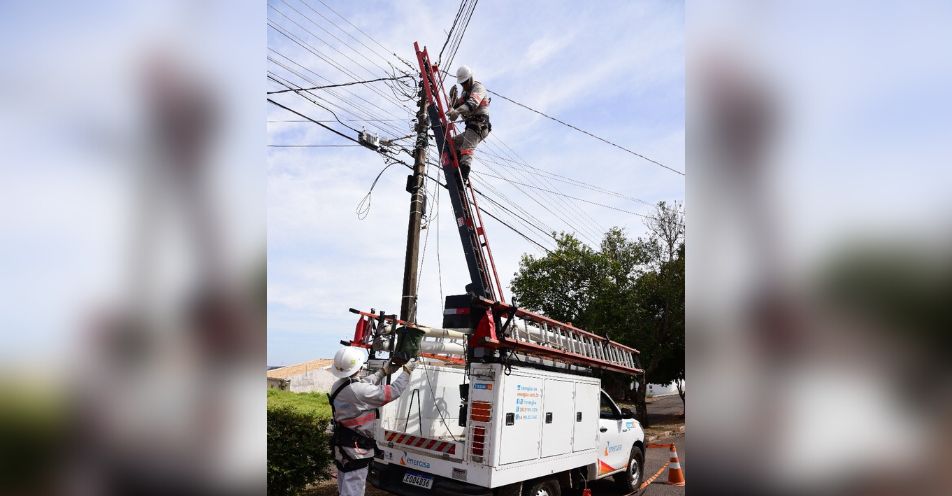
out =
column 544, row 487
column 630, row 480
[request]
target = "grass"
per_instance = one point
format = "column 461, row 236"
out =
column 315, row 403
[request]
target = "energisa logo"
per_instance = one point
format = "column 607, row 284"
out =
column 406, row 460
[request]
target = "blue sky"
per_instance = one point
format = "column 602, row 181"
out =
column 616, row 69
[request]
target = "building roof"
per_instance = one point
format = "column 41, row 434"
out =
column 301, row 368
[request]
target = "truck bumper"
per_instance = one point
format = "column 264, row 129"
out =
column 389, row 477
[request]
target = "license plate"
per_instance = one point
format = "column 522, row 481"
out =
column 418, row 480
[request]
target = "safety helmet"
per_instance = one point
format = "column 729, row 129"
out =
column 463, row 74
column 347, row 361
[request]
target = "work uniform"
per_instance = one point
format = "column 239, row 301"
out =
column 354, row 403
column 474, row 109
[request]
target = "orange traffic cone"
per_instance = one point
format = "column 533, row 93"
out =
column 675, row 474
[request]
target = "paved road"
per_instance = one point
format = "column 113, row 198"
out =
column 666, row 406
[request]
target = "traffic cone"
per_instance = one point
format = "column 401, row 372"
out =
column 586, row 492
column 675, row 474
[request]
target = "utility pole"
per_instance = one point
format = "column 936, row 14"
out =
column 417, row 205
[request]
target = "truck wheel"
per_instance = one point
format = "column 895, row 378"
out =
column 630, row 480
column 544, row 487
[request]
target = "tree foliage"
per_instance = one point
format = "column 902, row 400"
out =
column 298, row 449
column 631, row 290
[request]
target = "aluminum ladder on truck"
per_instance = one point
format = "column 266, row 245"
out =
column 528, row 334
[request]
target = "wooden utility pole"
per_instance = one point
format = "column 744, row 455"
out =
column 417, row 205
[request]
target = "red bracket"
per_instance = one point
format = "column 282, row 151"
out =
column 485, row 334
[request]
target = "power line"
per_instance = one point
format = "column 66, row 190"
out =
column 459, row 13
column 342, row 135
column 585, row 132
column 310, row 48
column 332, row 34
column 562, row 215
column 337, row 85
column 565, row 179
column 385, row 49
column 288, row 85
column 350, row 104
column 517, row 231
column 345, row 120
column 311, row 146
column 565, row 195
column 591, row 227
column 459, row 38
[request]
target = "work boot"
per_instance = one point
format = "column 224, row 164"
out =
column 464, row 170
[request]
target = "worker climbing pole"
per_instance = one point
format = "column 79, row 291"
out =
column 484, row 278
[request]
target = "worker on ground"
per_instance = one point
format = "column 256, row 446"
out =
column 353, row 405
column 473, row 105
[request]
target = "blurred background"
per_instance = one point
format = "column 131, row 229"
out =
column 133, row 250
column 818, row 287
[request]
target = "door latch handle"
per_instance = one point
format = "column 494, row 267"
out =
column 603, row 429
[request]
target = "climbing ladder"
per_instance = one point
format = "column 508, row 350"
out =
column 479, row 257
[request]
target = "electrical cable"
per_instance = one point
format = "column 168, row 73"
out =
column 586, row 132
column 335, row 85
column 311, row 146
column 313, row 49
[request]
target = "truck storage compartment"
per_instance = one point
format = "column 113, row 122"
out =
column 558, row 417
column 522, row 409
column 427, row 410
column 586, row 416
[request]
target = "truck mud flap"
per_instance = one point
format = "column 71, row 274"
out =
column 389, row 477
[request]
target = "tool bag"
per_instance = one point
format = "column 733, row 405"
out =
column 408, row 345
column 481, row 124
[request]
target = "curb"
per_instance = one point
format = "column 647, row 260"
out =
column 659, row 436
column 664, row 434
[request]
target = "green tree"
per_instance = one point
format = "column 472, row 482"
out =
column 631, row 291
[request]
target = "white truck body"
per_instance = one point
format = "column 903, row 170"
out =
column 522, row 424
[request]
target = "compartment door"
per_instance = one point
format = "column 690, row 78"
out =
column 521, row 420
column 558, row 417
column 586, row 416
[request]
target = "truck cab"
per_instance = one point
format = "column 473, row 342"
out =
column 619, row 436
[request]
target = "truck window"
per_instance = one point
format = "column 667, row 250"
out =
column 608, row 409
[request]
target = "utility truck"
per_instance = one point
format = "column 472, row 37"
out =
column 505, row 401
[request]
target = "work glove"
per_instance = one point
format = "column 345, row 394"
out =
column 454, row 95
column 409, row 366
column 452, row 114
column 389, row 368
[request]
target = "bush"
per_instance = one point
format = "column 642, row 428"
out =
column 313, row 403
column 298, row 448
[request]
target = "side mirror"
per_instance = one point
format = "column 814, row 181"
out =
column 627, row 413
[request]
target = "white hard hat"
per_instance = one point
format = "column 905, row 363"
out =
column 347, row 361
column 463, row 74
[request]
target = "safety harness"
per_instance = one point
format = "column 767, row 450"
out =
column 345, row 437
column 479, row 122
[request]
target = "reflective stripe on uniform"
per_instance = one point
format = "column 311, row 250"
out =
column 467, row 151
column 361, row 420
column 387, row 393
